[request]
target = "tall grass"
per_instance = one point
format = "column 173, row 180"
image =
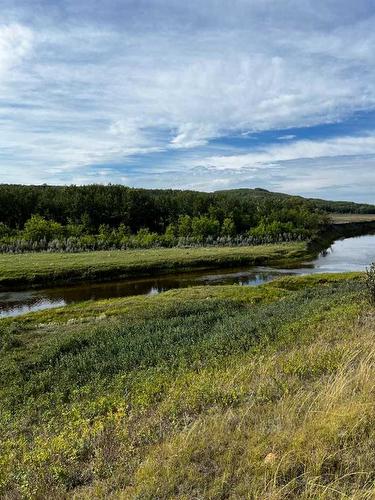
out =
column 221, row 393
column 91, row 243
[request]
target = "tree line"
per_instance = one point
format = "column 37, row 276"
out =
column 115, row 216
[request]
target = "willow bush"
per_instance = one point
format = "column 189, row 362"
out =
column 370, row 282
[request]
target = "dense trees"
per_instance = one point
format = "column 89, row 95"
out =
column 136, row 208
column 86, row 217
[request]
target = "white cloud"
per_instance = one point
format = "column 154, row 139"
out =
column 287, row 137
column 297, row 150
column 15, row 43
column 80, row 89
column 191, row 135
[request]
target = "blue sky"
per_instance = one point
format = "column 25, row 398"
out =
column 277, row 94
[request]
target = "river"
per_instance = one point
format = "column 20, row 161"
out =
column 351, row 254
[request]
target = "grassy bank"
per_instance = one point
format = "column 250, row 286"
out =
column 50, row 268
column 221, row 392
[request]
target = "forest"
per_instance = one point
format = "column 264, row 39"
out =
column 95, row 217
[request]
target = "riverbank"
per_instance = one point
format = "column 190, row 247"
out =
column 58, row 268
column 343, row 226
column 204, row 392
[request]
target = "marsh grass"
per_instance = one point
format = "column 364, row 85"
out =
column 50, row 268
column 227, row 392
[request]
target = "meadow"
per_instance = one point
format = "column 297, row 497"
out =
column 207, row 392
column 351, row 218
column 43, row 268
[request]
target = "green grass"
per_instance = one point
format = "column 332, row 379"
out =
column 208, row 392
column 48, row 268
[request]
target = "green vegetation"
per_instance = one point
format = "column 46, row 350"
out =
column 343, row 207
column 37, row 268
column 40, row 234
column 72, row 219
column 370, row 282
column 208, row 392
column 88, row 218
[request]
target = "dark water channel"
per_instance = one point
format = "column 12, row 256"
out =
column 351, row 254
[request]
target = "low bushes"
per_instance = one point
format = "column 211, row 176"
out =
column 370, row 282
column 42, row 235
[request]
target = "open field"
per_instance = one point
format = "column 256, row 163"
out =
column 221, row 392
column 48, row 268
column 351, row 218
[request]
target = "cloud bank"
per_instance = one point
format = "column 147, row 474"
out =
column 132, row 91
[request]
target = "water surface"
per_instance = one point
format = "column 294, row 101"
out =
column 351, row 254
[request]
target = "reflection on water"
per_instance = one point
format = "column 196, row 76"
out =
column 13, row 303
column 352, row 254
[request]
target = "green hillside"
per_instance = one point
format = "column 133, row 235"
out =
column 222, row 392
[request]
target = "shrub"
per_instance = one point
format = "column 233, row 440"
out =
column 202, row 227
column 370, row 282
column 184, row 225
column 228, row 227
column 170, row 235
column 145, row 239
column 38, row 228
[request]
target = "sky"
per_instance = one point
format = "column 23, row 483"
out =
column 205, row 95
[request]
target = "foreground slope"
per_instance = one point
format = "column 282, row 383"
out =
column 220, row 392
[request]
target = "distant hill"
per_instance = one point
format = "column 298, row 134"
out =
column 329, row 206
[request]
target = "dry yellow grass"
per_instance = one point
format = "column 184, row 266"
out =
column 299, row 435
column 351, row 218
